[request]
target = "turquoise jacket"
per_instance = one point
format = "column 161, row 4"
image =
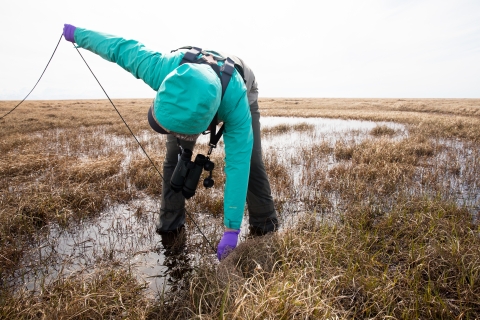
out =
column 153, row 67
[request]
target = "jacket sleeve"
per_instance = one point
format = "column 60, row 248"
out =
column 150, row 66
column 238, row 139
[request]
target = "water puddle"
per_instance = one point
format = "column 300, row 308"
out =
column 126, row 233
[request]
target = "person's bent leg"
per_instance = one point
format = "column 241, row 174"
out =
column 172, row 210
column 261, row 209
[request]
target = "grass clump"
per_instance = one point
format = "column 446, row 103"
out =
column 105, row 293
column 278, row 129
column 286, row 128
column 303, row 127
column 420, row 261
column 343, row 151
column 382, row 130
column 376, row 167
column 93, row 170
column 145, row 177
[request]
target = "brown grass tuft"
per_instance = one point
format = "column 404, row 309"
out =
column 382, row 130
column 144, row 176
column 374, row 226
column 104, row 293
column 419, row 261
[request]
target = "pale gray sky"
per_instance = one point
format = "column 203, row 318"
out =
column 370, row 48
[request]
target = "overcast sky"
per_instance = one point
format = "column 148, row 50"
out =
column 345, row 49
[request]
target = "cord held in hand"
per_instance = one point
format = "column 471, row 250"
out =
column 69, row 32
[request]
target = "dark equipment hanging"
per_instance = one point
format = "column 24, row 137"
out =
column 187, row 173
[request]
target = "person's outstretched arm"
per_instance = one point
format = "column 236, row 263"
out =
column 150, row 66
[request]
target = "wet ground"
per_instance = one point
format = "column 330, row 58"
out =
column 126, row 233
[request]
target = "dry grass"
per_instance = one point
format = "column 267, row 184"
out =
column 382, row 131
column 389, row 227
column 446, row 118
column 144, row 176
column 393, row 241
column 419, row 261
column 33, row 116
column 104, row 293
column 284, row 128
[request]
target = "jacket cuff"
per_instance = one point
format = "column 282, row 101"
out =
column 232, row 224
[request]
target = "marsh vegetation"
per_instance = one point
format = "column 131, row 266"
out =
column 379, row 210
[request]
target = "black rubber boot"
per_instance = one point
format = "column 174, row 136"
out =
column 173, row 241
column 271, row 225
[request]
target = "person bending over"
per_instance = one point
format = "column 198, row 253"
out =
column 188, row 97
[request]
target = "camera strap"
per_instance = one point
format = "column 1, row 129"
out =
column 180, row 149
column 214, row 135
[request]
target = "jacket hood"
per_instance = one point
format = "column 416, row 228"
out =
column 188, row 99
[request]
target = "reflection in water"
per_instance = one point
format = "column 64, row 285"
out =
column 325, row 130
column 176, row 256
column 119, row 235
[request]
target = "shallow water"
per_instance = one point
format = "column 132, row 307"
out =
column 125, row 233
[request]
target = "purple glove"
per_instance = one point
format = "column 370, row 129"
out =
column 227, row 243
column 68, row 32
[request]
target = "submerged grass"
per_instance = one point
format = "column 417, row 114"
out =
column 384, row 226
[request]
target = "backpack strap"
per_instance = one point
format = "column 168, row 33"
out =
column 224, row 72
column 191, row 55
column 227, row 72
column 190, row 58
